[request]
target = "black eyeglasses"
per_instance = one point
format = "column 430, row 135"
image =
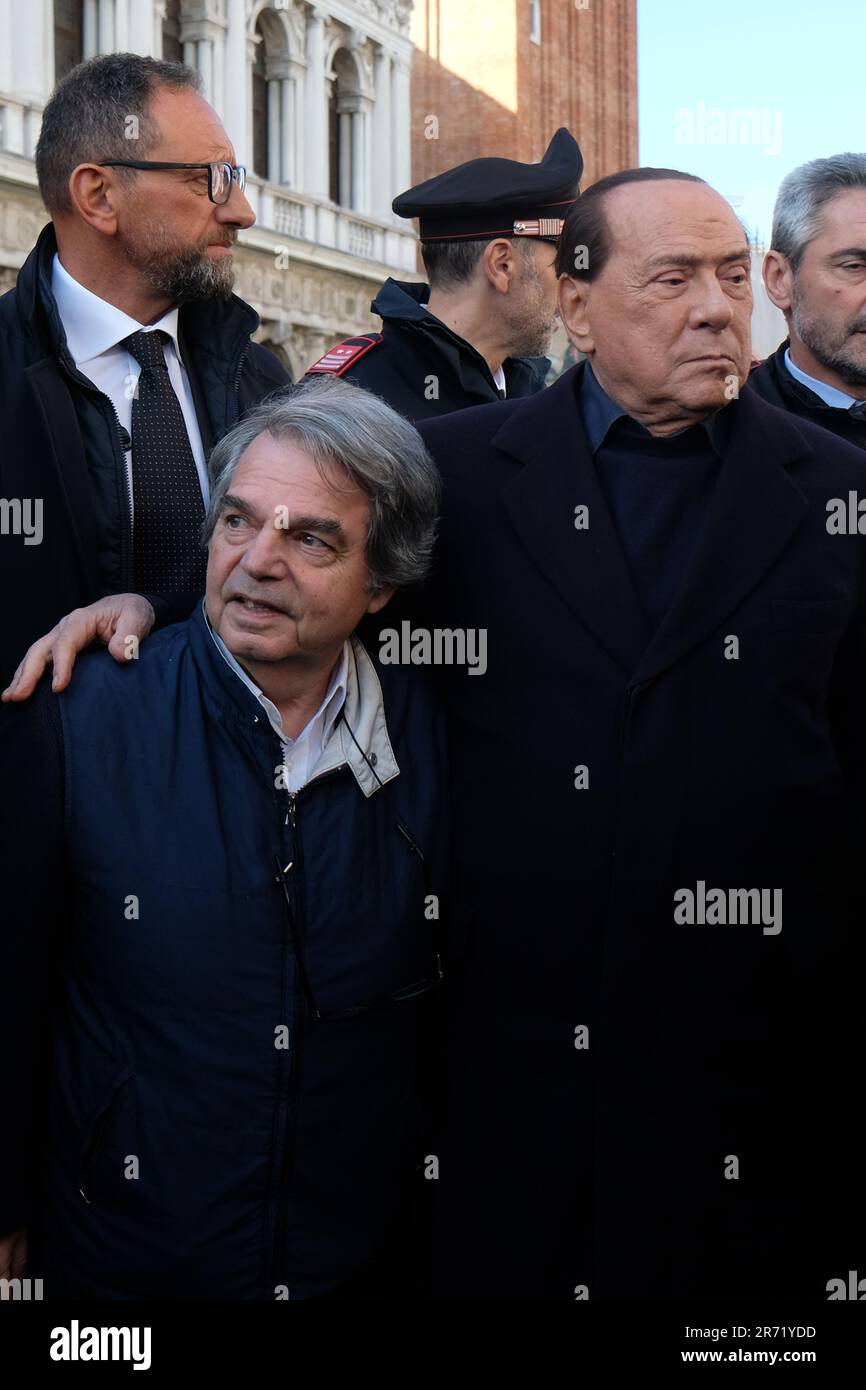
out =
column 397, row 996
column 219, row 175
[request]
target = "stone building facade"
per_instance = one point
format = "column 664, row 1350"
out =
column 315, row 97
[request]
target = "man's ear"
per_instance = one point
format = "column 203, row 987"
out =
column 378, row 601
column 779, row 280
column 94, row 194
column 573, row 310
column 499, row 264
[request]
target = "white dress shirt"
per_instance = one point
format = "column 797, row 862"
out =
column 95, row 331
column 830, row 395
column 300, row 754
column 499, row 378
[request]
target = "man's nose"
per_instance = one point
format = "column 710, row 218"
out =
column 236, row 210
column 266, row 555
column 712, row 307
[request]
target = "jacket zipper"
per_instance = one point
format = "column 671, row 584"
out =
column 282, row 1124
column 241, row 360
column 291, row 873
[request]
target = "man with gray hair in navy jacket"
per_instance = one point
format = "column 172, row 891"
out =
column 235, row 844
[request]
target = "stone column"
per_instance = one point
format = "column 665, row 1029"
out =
column 32, row 42
column 298, row 133
column 237, row 98
column 145, row 28
column 383, row 189
column 6, row 30
column 218, row 60
column 90, row 35
column 346, row 119
column 401, row 116
column 274, row 130
column 105, row 37
column 121, row 25
column 205, row 66
column 359, row 162
column 316, row 152
column 287, row 130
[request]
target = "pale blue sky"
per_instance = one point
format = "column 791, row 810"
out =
column 798, row 65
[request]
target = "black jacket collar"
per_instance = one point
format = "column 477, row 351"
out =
column 789, row 388
column 218, row 328
column 403, row 302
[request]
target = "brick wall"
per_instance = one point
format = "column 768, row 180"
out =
column 492, row 90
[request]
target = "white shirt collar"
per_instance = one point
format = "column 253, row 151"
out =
column 830, row 395
column 328, row 711
column 92, row 325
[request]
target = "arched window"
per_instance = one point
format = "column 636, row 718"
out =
column 277, row 79
column 333, row 147
column 172, row 48
column 260, row 108
column 347, row 133
column 68, row 36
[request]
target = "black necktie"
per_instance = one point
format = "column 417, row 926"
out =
column 167, row 501
column 858, row 410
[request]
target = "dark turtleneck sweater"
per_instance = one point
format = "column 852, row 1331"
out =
column 658, row 490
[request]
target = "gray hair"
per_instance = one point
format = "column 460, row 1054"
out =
column 87, row 118
column 335, row 422
column 802, row 196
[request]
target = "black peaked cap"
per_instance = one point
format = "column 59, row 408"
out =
column 492, row 197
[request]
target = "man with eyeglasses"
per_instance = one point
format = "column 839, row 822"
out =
column 124, row 355
column 236, row 846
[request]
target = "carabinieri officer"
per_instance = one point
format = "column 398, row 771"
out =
column 478, row 332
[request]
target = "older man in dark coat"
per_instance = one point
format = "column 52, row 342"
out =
column 653, row 1035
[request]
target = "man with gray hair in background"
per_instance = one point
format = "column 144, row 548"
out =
column 241, row 838
column 815, row 272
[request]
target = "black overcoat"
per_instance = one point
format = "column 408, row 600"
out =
column 419, row 366
column 642, row 1107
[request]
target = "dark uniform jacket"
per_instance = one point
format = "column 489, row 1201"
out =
column 418, row 365
column 60, row 441
column 642, row 1107
column 204, row 1136
column 774, row 383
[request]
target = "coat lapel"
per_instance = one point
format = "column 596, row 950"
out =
column 586, row 567
column 70, row 465
column 755, row 510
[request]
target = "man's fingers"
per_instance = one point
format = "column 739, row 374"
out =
column 63, row 657
column 6, row 695
column 133, row 623
column 120, row 621
column 30, row 670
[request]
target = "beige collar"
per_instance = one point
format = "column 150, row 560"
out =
column 363, row 713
